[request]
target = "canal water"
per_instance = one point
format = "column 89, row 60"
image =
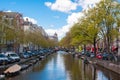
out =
column 62, row 66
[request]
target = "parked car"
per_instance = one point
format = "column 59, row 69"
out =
column 10, row 60
column 99, row 56
column 13, row 56
column 35, row 52
column 88, row 54
column 41, row 52
column 30, row 53
column 24, row 55
column 105, row 56
column 3, row 59
column 92, row 55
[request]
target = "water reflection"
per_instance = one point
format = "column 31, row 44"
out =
column 81, row 71
column 65, row 67
column 53, row 70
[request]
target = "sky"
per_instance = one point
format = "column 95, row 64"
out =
column 53, row 15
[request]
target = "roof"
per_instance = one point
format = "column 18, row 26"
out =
column 12, row 14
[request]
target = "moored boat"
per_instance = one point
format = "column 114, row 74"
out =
column 12, row 70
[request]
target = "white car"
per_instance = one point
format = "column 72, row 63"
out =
column 13, row 56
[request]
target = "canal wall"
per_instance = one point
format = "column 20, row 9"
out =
column 112, row 66
column 106, row 64
column 109, row 65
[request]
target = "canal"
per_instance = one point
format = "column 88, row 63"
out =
column 62, row 66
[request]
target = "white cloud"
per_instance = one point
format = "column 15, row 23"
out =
column 68, row 5
column 62, row 5
column 30, row 19
column 73, row 18
column 8, row 11
column 87, row 3
column 48, row 4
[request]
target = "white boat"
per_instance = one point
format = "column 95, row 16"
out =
column 12, row 70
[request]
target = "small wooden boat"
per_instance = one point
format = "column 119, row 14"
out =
column 12, row 70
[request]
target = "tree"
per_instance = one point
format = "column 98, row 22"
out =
column 108, row 14
column 98, row 23
column 66, row 41
column 86, row 31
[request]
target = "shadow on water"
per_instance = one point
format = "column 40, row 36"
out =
column 63, row 66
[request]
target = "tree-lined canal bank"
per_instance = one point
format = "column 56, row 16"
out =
column 62, row 66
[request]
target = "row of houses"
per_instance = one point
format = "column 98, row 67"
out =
column 15, row 20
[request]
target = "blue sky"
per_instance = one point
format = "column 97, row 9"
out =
column 53, row 15
column 35, row 9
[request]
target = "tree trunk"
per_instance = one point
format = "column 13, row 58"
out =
column 84, row 47
column 94, row 43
